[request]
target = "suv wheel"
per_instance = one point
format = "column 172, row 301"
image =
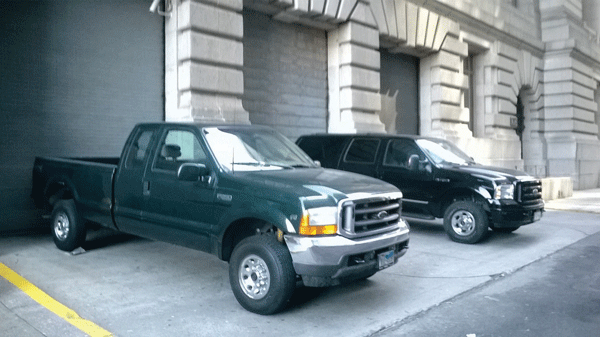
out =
column 261, row 274
column 465, row 222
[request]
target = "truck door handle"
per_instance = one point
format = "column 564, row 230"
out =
column 146, row 187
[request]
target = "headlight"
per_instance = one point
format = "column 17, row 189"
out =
column 319, row 221
column 505, row 191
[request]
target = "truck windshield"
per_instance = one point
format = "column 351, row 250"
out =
column 442, row 152
column 246, row 149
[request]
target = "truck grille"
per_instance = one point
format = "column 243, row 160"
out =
column 370, row 216
column 529, row 192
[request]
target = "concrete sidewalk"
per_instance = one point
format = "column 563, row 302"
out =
column 587, row 201
column 135, row 287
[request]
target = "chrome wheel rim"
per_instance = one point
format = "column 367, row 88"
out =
column 61, row 226
column 254, row 277
column 463, row 223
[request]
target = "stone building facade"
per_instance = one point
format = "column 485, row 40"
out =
column 513, row 82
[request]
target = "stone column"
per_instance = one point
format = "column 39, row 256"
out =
column 204, row 80
column 591, row 14
column 441, row 84
column 353, row 71
column 571, row 132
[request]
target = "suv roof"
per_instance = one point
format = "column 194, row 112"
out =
column 365, row 135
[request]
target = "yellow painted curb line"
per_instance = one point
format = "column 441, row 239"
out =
column 53, row 305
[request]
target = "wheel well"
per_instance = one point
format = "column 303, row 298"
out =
column 55, row 192
column 241, row 229
column 457, row 195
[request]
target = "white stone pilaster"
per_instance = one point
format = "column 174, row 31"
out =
column 204, row 59
column 570, row 107
column 441, row 84
column 353, row 72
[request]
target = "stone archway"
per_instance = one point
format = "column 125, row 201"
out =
column 511, row 78
column 533, row 147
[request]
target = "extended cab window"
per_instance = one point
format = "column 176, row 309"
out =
column 178, row 147
column 138, row 151
column 362, row 151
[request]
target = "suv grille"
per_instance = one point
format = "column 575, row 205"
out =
column 370, row 216
column 529, row 192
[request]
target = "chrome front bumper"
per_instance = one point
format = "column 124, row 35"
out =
column 327, row 260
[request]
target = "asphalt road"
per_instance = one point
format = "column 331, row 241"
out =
column 555, row 296
column 135, row 287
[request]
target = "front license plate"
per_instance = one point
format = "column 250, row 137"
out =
column 386, row 259
column 537, row 215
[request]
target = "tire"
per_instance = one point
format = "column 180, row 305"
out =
column 261, row 274
column 465, row 222
column 505, row 229
column 68, row 231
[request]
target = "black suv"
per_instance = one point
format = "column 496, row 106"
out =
column 437, row 179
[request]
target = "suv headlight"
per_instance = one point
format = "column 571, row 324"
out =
column 504, row 191
column 319, row 221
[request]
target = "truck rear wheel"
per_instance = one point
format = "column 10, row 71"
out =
column 465, row 222
column 261, row 274
column 68, row 231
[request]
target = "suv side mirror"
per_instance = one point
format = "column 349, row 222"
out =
column 192, row 172
column 413, row 162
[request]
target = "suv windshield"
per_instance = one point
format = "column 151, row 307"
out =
column 442, row 152
column 247, row 149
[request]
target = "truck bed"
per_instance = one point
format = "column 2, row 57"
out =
column 92, row 178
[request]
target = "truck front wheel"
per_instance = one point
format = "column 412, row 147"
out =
column 261, row 274
column 465, row 222
column 68, row 231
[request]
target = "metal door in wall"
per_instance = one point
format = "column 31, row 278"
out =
column 399, row 76
column 75, row 76
column 285, row 75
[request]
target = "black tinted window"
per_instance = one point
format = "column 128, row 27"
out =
column 324, row 149
column 362, row 151
column 398, row 151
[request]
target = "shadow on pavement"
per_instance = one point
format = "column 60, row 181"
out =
column 102, row 238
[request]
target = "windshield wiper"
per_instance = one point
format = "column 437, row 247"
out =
column 285, row 166
column 263, row 164
column 250, row 163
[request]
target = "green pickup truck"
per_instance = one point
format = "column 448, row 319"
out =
column 243, row 193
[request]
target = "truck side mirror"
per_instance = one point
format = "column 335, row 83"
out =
column 192, row 172
column 413, row 162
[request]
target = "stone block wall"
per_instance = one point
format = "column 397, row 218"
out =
column 540, row 51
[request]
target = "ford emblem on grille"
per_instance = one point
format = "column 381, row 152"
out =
column 381, row 215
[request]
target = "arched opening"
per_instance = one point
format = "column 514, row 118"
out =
column 528, row 129
column 520, row 121
column 399, row 89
